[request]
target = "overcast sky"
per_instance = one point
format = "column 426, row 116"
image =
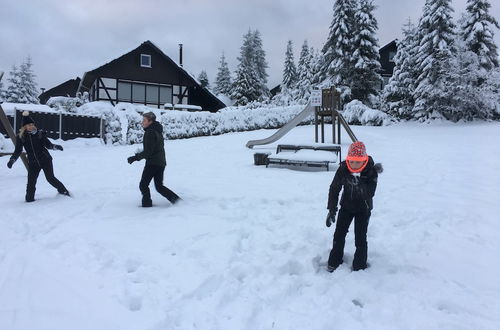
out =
column 67, row 38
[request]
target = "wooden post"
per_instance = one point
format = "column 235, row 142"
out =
column 6, row 124
column 316, row 124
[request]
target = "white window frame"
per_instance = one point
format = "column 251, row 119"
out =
column 148, row 56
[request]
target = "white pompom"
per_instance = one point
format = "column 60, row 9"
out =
column 26, row 113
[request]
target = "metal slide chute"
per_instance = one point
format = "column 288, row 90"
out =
column 308, row 110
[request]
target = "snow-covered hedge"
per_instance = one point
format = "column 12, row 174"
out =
column 356, row 113
column 123, row 121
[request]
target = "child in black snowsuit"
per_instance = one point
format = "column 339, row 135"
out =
column 357, row 175
column 36, row 143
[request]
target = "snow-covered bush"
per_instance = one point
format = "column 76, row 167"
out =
column 356, row 113
column 2, row 142
column 113, row 126
column 63, row 103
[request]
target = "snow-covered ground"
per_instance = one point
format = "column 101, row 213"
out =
column 247, row 247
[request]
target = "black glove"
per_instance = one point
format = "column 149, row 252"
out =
column 58, row 147
column 330, row 218
column 10, row 163
column 132, row 159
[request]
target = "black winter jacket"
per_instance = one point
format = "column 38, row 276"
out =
column 153, row 145
column 36, row 146
column 359, row 189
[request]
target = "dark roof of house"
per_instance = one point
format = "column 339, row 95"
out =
column 186, row 78
column 67, row 88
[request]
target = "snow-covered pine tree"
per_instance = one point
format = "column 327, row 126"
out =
column 397, row 96
column 305, row 72
column 366, row 79
column 317, row 60
column 289, row 70
column 22, row 85
column 260, row 65
column 13, row 90
column 477, row 30
column 203, row 79
column 223, row 79
column 434, row 61
column 247, row 84
column 28, row 85
column 2, row 92
column 338, row 63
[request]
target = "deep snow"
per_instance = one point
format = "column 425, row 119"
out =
column 246, row 249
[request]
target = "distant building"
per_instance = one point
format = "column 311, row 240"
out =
column 67, row 88
column 144, row 75
column 387, row 54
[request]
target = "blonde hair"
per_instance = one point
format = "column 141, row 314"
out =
column 22, row 130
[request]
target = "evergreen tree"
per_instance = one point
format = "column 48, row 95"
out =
column 247, row 84
column 477, row 30
column 305, row 72
column 223, row 80
column 203, row 78
column 434, row 60
column 338, row 63
column 13, row 90
column 23, row 87
column 289, row 70
column 2, row 92
column 260, row 64
column 397, row 97
column 366, row 79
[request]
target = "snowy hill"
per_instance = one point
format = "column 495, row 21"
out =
column 246, row 248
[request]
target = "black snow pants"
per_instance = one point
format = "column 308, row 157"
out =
column 156, row 172
column 345, row 217
column 33, row 172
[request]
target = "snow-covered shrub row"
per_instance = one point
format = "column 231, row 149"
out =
column 123, row 121
column 356, row 113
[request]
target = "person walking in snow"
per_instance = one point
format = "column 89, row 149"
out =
column 36, row 143
column 357, row 175
column 154, row 153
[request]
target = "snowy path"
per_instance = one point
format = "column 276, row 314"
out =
column 247, row 247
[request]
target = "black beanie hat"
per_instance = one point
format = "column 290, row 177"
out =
column 27, row 119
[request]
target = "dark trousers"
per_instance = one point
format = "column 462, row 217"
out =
column 33, row 172
column 155, row 172
column 344, row 220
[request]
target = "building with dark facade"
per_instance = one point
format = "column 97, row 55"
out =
column 146, row 76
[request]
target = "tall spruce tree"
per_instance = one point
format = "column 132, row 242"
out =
column 2, row 92
column 13, row 93
column 477, row 30
column 203, row 78
column 338, row 63
column 260, row 64
column 397, row 96
column 434, row 60
column 223, row 79
column 305, row 72
column 247, row 84
column 366, row 78
column 289, row 70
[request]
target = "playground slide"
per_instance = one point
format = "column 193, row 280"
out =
column 285, row 129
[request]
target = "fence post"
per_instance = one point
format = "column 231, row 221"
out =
column 60, row 125
column 15, row 119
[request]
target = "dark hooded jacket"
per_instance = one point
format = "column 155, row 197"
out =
column 358, row 189
column 153, row 145
column 36, row 146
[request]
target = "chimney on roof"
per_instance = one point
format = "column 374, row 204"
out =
column 180, row 54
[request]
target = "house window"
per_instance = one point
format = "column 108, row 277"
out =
column 145, row 61
column 391, row 56
column 152, row 94
column 165, row 95
column 138, row 93
column 124, row 91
